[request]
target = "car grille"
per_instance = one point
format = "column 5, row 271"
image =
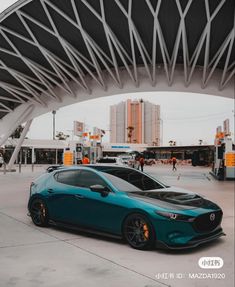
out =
column 208, row 222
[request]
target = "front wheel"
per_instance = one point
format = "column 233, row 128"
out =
column 138, row 232
column 39, row 212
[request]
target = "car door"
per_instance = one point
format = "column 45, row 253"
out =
column 71, row 201
column 96, row 211
column 63, row 197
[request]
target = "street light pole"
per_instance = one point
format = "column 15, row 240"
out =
column 161, row 130
column 53, row 113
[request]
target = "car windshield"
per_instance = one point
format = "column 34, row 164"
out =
column 133, row 178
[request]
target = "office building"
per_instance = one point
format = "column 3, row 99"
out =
column 135, row 121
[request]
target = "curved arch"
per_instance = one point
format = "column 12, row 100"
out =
column 19, row 115
column 55, row 53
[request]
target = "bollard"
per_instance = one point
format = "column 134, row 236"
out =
column 32, row 167
column 4, row 168
column 20, row 167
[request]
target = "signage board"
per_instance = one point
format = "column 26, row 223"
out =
column 226, row 127
column 78, row 128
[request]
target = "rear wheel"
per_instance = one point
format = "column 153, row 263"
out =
column 138, row 232
column 39, row 212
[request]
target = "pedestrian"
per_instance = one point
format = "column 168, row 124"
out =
column 141, row 161
column 85, row 159
column 174, row 161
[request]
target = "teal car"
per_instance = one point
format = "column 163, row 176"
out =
column 125, row 203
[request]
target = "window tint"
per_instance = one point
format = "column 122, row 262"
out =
column 88, row 178
column 70, row 177
column 135, row 178
column 79, row 178
column 120, row 184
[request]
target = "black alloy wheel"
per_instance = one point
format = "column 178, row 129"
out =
column 138, row 232
column 39, row 212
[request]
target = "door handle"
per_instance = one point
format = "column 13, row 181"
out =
column 79, row 196
column 50, row 190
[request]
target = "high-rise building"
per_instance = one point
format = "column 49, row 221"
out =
column 135, row 121
column 118, row 123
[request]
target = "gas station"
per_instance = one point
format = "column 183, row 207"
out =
column 224, row 156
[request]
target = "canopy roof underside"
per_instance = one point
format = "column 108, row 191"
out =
column 49, row 43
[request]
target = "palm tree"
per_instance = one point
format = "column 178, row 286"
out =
column 17, row 133
column 130, row 132
column 61, row 136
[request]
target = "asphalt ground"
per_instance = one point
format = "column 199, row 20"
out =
column 33, row 257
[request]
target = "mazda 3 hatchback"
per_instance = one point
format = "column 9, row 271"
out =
column 125, row 203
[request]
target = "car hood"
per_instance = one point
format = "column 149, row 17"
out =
column 173, row 198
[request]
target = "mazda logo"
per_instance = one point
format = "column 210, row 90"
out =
column 212, row 217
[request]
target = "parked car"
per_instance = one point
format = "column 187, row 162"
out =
column 125, row 203
column 149, row 162
column 126, row 159
column 111, row 161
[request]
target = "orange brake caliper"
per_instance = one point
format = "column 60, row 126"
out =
column 146, row 231
column 43, row 210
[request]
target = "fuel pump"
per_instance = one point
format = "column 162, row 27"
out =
column 224, row 158
column 79, row 149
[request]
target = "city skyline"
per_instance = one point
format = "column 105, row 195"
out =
column 186, row 117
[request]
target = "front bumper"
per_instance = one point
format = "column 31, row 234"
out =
column 193, row 242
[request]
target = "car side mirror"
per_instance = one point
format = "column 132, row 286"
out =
column 104, row 191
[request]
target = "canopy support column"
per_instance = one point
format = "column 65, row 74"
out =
column 19, row 144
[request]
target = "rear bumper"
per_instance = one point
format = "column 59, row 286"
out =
column 194, row 242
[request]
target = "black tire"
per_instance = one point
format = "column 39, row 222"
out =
column 138, row 231
column 39, row 212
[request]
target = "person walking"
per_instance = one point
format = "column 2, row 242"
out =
column 174, row 161
column 141, row 161
column 85, row 159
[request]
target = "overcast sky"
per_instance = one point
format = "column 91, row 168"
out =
column 5, row 4
column 186, row 117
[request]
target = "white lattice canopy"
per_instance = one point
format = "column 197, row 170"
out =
column 56, row 52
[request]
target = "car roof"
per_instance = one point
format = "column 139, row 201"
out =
column 98, row 167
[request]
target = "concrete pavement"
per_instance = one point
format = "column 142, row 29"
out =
column 32, row 256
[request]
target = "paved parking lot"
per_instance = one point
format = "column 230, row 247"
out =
column 31, row 256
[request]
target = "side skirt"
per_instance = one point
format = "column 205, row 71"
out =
column 84, row 229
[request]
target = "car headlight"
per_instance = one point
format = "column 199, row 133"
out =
column 175, row 216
